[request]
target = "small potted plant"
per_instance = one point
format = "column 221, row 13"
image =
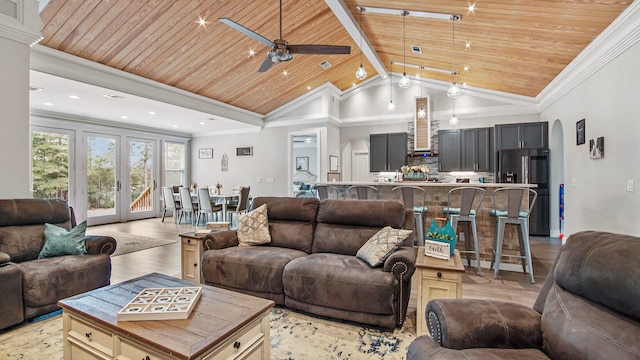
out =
column 218, row 188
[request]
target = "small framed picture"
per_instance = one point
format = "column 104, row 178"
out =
column 596, row 148
column 302, row 163
column 206, row 153
column 333, row 163
column 580, row 136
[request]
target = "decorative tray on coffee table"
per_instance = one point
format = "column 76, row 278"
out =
column 161, row 304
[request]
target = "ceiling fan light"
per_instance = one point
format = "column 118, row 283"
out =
column 453, row 121
column 404, row 81
column 454, row 91
column 422, row 113
column 361, row 73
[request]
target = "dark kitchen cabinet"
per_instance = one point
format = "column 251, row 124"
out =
column 388, row 152
column 477, row 149
column 449, row 153
column 522, row 136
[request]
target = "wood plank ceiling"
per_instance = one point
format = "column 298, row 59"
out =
column 515, row 46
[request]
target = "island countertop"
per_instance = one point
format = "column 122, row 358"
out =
column 426, row 184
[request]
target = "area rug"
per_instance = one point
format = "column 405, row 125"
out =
column 293, row 336
column 128, row 243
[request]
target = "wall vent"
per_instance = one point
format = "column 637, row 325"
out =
column 325, row 64
column 115, row 97
column 416, row 49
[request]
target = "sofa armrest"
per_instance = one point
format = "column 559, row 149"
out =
column 99, row 244
column 402, row 262
column 221, row 239
column 4, row 258
column 474, row 323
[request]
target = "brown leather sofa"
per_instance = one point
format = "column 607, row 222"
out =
column 30, row 286
column 588, row 308
column 310, row 264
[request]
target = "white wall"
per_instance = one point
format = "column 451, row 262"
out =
column 269, row 160
column 608, row 100
column 15, row 151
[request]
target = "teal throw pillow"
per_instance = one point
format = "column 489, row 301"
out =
column 60, row 241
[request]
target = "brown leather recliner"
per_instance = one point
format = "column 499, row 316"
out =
column 588, row 308
column 29, row 286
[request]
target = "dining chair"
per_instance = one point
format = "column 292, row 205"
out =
column 169, row 204
column 414, row 198
column 512, row 210
column 363, row 192
column 463, row 204
column 205, row 207
column 186, row 204
column 242, row 205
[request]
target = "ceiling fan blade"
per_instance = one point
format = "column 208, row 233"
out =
column 246, row 31
column 319, row 49
column 266, row 65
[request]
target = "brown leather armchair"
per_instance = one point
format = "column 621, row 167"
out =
column 30, row 286
column 588, row 308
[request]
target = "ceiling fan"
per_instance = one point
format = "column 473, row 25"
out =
column 281, row 50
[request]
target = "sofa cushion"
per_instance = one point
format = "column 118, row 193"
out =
column 16, row 212
column 376, row 250
column 253, row 227
column 425, row 348
column 22, row 243
column 345, row 225
column 254, row 268
column 45, row 281
column 60, row 241
column 340, row 282
column 291, row 221
column 582, row 264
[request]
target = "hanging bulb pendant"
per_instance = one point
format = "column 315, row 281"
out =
column 361, row 73
column 454, row 91
column 422, row 113
column 453, row 121
column 404, row 81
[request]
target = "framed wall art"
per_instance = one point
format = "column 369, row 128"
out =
column 302, row 163
column 596, row 148
column 206, row 153
column 580, row 136
column 333, row 163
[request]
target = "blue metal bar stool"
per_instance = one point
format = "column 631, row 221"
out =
column 463, row 203
column 363, row 192
column 327, row 192
column 516, row 213
column 415, row 198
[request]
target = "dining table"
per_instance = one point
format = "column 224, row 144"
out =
column 215, row 200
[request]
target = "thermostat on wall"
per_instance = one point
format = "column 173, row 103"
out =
column 244, row 151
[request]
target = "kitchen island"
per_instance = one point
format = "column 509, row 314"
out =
column 437, row 201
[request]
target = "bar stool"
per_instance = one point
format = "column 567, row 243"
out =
column 463, row 203
column 327, row 192
column 363, row 192
column 517, row 214
column 414, row 198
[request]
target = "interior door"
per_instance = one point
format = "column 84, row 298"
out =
column 140, row 195
column 103, row 178
column 360, row 164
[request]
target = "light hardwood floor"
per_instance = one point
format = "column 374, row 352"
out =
column 512, row 286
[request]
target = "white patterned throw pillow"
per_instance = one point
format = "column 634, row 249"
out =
column 253, row 227
column 378, row 248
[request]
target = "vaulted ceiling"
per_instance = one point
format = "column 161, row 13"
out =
column 514, row 47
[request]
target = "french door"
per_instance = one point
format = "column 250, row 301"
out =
column 142, row 187
column 103, row 178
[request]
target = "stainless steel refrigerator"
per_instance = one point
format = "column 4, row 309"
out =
column 529, row 166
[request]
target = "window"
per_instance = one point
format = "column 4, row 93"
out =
column 50, row 164
column 174, row 164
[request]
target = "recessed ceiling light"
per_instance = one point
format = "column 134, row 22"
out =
column 285, row 73
column 309, row 87
column 252, row 52
column 48, row 104
column 202, row 122
column 467, row 45
column 74, row 97
column 466, row 68
column 175, row 126
column 353, row 84
column 34, row 88
column 472, row 7
column 152, row 112
column 123, row 117
column 202, row 22
column 112, row 96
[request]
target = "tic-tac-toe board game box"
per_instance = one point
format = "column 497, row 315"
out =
column 161, row 304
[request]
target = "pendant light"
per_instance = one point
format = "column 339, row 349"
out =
column 361, row 73
column 454, row 120
column 422, row 113
column 454, row 90
column 404, row 81
column 391, row 105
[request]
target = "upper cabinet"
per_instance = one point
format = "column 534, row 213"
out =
column 522, row 136
column 388, row 152
column 465, row 149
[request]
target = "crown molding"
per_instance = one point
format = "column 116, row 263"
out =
column 619, row 36
column 24, row 24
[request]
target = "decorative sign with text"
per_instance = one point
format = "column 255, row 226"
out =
column 436, row 249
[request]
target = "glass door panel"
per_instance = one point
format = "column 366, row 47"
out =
column 103, row 183
column 50, row 152
column 142, row 185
